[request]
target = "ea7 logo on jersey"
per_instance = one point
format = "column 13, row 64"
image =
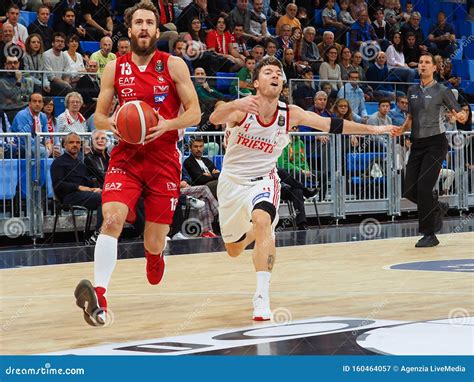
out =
column 126, row 81
column 114, row 186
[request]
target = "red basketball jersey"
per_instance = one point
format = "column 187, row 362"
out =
column 152, row 85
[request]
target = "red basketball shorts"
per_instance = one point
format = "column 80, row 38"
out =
column 152, row 171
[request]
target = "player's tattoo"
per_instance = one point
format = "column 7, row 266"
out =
column 270, row 261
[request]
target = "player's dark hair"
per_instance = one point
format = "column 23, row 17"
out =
column 66, row 10
column 265, row 62
column 145, row 5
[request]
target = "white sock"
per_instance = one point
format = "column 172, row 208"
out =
column 263, row 283
column 105, row 258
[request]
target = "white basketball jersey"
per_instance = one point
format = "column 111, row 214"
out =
column 253, row 148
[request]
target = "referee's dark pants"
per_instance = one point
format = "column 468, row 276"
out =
column 422, row 172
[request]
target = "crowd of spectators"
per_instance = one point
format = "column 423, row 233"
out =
column 328, row 49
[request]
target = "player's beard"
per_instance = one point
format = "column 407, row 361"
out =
column 135, row 47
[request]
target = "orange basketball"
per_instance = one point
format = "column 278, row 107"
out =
column 134, row 119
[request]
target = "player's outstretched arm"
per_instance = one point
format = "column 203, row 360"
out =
column 299, row 116
column 399, row 130
column 106, row 96
column 234, row 111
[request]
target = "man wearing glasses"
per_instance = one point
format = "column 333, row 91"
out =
column 11, row 86
column 399, row 113
column 413, row 26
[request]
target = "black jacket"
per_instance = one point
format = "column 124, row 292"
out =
column 196, row 173
column 45, row 32
column 97, row 165
column 67, row 174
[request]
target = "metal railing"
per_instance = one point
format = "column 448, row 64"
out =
column 354, row 178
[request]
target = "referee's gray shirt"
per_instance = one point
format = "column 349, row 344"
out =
column 428, row 106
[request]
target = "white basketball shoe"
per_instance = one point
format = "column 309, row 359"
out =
column 261, row 308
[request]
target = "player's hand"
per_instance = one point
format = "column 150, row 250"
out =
column 396, row 131
column 249, row 104
column 113, row 128
column 96, row 190
column 183, row 184
column 215, row 171
column 323, row 139
column 461, row 117
column 158, row 130
column 384, row 129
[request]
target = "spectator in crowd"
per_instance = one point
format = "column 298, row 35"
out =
column 238, row 42
column 289, row 65
column 293, row 160
column 466, row 126
column 71, row 183
column 302, row 15
column 352, row 92
column 20, row 33
column 344, row 15
column 297, row 38
column 220, row 8
column 209, row 212
column 7, row 46
column 399, row 113
column 358, row 6
column 97, row 161
column 72, row 120
column 413, row 26
column 68, row 24
column 242, row 15
column 98, row 20
column 75, row 60
column 289, row 18
column 245, row 75
column 258, row 21
column 179, row 50
column 440, row 66
column 123, row 46
column 342, row 109
column 397, row 68
column 442, row 36
column 40, row 26
column 270, row 48
column 33, row 61
column 56, row 65
column 283, row 41
column 258, row 52
column 378, row 73
column 328, row 42
column 32, row 120
column 363, row 34
column 393, row 15
column 330, row 19
column 408, row 11
column 49, row 111
column 309, row 50
column 381, row 116
column 305, row 91
column 382, row 29
column 12, row 89
column 411, row 51
column 208, row 96
column 104, row 55
column 330, row 70
column 219, row 40
column 202, row 170
column 59, row 11
column 197, row 9
column 88, row 87
column 296, row 192
column 345, row 63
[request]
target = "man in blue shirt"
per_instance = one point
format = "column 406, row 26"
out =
column 400, row 111
column 354, row 94
column 378, row 73
column 442, row 36
column 32, row 120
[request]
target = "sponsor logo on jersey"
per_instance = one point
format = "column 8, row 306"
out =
column 114, row 186
column 116, row 170
column 160, row 98
column 281, row 120
column 159, row 66
column 128, row 92
column 263, row 195
column 171, row 186
column 161, row 89
column 126, row 81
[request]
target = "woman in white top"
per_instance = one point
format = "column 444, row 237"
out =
column 72, row 121
column 330, row 70
column 398, row 69
column 76, row 62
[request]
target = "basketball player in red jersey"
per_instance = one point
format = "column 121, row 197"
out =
column 249, row 188
column 151, row 170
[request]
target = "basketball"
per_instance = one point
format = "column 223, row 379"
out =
column 134, row 119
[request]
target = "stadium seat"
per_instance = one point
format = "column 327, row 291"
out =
column 8, row 178
column 371, row 107
column 90, row 46
column 470, row 69
column 59, row 106
column 224, row 81
column 460, row 69
column 460, row 12
column 357, row 164
column 459, row 50
column 26, row 18
column 318, row 17
column 218, row 159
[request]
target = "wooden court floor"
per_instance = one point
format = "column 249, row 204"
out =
column 213, row 291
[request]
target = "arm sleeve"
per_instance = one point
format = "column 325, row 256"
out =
column 450, row 101
column 323, row 71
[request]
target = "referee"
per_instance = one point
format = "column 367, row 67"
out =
column 427, row 104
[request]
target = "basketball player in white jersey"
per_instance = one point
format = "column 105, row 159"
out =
column 249, row 187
